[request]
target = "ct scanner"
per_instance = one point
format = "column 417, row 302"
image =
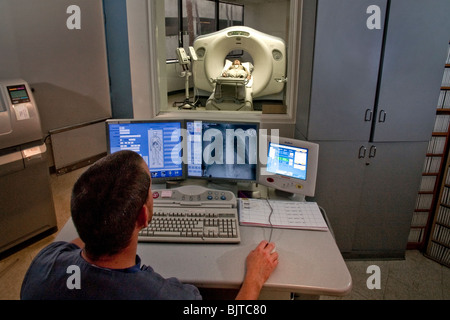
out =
column 268, row 70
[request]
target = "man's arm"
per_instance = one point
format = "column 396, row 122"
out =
column 260, row 264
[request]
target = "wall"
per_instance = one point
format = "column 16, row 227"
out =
column 66, row 68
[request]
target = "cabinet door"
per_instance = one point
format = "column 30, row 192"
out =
column 388, row 197
column 416, row 45
column 345, row 70
column 340, row 178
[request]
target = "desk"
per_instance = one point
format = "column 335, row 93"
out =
column 310, row 262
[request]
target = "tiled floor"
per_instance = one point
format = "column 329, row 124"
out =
column 416, row 277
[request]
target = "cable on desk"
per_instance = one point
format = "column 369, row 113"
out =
column 324, row 214
column 270, row 215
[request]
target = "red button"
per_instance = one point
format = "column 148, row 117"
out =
column 270, row 179
column 155, row 195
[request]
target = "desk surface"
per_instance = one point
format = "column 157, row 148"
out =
column 309, row 261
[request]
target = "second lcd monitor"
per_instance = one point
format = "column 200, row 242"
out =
column 178, row 149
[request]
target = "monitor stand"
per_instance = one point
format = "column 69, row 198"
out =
column 289, row 195
column 159, row 186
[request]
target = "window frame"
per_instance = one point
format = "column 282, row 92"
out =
column 147, row 84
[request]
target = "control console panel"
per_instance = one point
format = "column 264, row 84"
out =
column 194, row 195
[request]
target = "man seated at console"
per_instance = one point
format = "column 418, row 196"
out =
column 237, row 70
column 111, row 202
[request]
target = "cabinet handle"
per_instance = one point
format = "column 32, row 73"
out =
column 362, row 152
column 372, row 152
column 368, row 115
column 382, row 117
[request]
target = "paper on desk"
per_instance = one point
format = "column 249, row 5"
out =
column 286, row 214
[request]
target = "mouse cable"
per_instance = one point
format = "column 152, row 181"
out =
column 270, row 215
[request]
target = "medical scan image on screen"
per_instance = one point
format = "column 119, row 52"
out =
column 159, row 143
column 222, row 150
column 287, row 160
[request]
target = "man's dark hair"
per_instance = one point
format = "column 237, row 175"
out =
column 106, row 201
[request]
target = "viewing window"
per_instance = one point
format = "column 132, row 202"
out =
column 202, row 38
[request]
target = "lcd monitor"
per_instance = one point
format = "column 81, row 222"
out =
column 291, row 166
column 158, row 142
column 222, row 150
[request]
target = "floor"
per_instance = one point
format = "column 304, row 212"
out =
column 416, row 277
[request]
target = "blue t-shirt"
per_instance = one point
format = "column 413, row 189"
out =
column 60, row 272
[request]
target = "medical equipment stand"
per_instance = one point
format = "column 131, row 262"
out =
column 186, row 104
column 184, row 60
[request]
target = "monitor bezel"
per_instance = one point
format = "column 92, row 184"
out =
column 182, row 123
column 226, row 179
column 289, row 184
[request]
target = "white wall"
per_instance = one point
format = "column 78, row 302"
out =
column 66, row 68
column 9, row 60
column 271, row 17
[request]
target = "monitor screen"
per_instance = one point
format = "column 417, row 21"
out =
column 221, row 150
column 18, row 94
column 287, row 160
column 291, row 166
column 158, row 142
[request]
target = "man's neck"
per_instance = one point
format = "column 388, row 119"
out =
column 126, row 258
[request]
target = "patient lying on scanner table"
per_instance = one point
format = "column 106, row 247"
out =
column 232, row 90
column 261, row 72
column 237, row 70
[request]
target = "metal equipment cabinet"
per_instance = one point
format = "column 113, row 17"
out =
column 26, row 202
column 369, row 81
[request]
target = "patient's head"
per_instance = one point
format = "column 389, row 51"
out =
column 237, row 62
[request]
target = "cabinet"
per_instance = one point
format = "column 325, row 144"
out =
column 388, row 197
column 367, row 97
column 345, row 71
column 369, row 198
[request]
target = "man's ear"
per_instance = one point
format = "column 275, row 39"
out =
column 142, row 220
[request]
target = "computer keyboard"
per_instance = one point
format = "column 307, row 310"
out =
column 192, row 225
column 193, row 214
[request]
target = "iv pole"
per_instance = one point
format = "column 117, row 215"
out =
column 184, row 60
